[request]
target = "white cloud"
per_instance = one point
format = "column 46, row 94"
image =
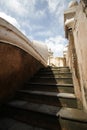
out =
column 39, row 13
column 25, row 8
column 37, row 27
column 19, row 7
column 52, row 5
column 57, row 7
column 44, row 33
column 56, row 44
column 16, row 6
column 60, row 13
column 10, row 19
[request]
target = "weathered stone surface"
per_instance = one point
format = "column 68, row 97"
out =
column 10, row 124
column 77, row 50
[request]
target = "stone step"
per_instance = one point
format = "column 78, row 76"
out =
column 39, row 115
column 47, row 102
column 55, row 75
column 53, row 71
column 73, row 114
column 53, row 80
column 72, row 119
column 7, row 123
column 55, row 68
column 47, row 84
column 50, row 88
column 49, row 98
column 45, row 116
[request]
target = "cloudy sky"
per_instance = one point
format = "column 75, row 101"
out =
column 40, row 20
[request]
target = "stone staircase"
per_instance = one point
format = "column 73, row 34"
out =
column 47, row 102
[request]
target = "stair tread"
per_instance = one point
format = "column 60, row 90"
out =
column 42, row 108
column 60, row 95
column 52, row 72
column 62, row 112
column 54, row 84
column 12, row 124
column 54, row 78
column 50, row 88
column 58, row 67
column 54, row 68
column 73, row 114
column 50, row 84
